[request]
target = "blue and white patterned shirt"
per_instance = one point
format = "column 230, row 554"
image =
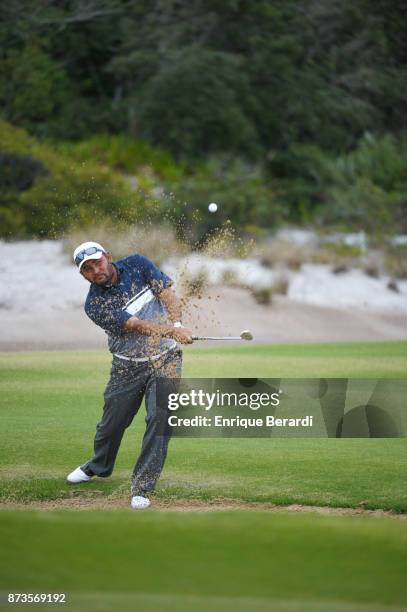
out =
column 136, row 294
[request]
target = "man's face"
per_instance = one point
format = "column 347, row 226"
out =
column 99, row 271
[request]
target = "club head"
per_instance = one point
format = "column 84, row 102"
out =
column 246, row 335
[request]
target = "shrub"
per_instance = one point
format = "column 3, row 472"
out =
column 262, row 296
column 230, row 278
column 396, row 261
column 282, row 252
column 368, row 187
column 280, row 285
column 60, row 192
column 208, row 97
column 18, row 172
column 124, row 154
column 33, row 87
column 241, row 191
column 365, row 188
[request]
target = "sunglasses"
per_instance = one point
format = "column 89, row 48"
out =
column 90, row 251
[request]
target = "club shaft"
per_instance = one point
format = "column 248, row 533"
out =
column 216, row 338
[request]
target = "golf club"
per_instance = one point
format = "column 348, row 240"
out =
column 244, row 335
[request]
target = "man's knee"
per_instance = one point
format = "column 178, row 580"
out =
column 109, row 430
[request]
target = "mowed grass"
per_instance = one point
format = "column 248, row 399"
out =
column 240, row 560
column 220, row 560
column 50, row 403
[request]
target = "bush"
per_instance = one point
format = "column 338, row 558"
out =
column 264, row 295
column 60, row 192
column 32, row 87
column 207, row 107
column 124, row 154
column 368, row 187
column 396, row 261
column 18, row 172
column 242, row 193
column 282, row 252
column 47, row 188
column 363, row 189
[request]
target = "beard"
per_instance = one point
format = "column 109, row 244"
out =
column 105, row 278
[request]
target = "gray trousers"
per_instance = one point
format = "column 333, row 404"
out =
column 128, row 384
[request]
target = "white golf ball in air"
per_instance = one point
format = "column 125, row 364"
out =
column 212, row 207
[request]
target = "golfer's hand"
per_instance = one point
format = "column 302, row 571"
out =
column 182, row 335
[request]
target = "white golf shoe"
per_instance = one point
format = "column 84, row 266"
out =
column 138, row 502
column 77, row 476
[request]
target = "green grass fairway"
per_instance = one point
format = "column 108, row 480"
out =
column 52, row 401
column 240, row 560
column 229, row 560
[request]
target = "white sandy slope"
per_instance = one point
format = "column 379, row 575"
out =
column 42, row 296
column 312, row 284
column 353, row 289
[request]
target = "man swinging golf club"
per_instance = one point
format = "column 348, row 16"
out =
column 132, row 300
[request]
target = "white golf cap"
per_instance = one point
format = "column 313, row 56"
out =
column 87, row 250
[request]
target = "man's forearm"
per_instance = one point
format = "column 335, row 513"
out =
column 148, row 328
column 172, row 304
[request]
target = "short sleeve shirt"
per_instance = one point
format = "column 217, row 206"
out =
column 136, row 294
